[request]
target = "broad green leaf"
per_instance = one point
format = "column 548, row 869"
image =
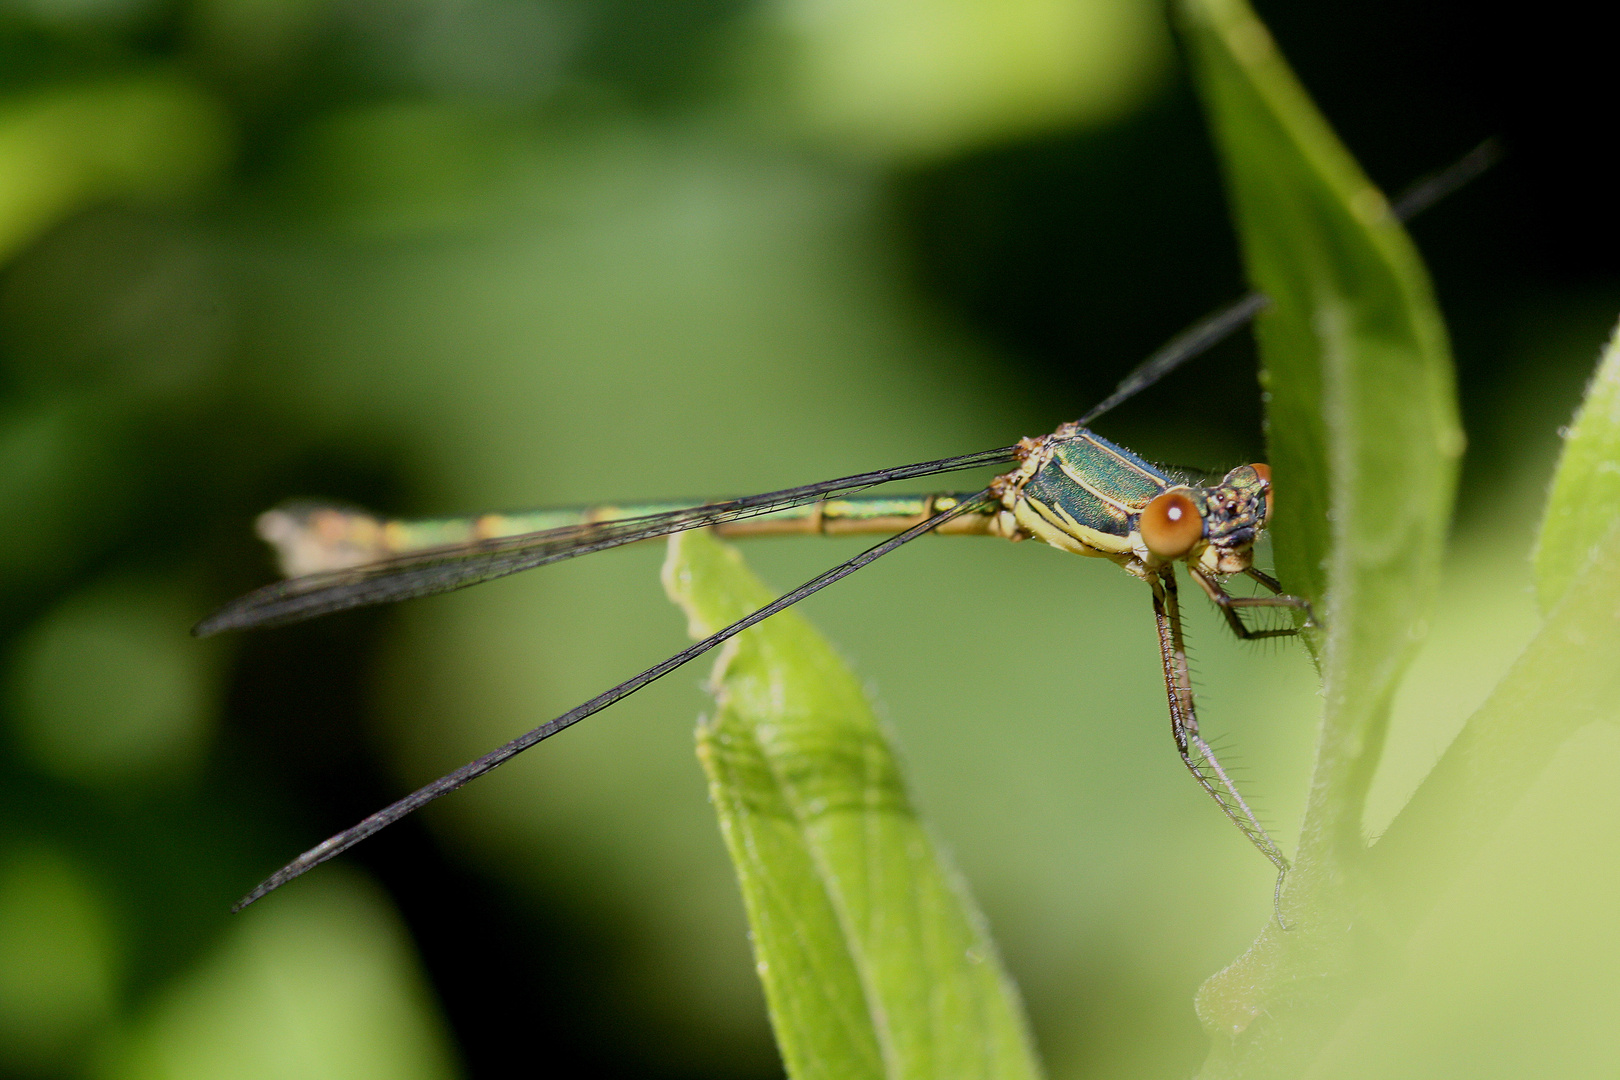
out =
column 321, row 985
column 1364, row 439
column 1565, row 679
column 60, row 960
column 1585, row 499
column 875, row 961
column 912, row 81
column 143, row 137
column 1509, row 790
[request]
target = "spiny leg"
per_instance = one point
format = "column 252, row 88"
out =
column 1231, row 605
column 1265, row 579
column 1196, row 754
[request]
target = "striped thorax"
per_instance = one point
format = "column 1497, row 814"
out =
column 1077, row 491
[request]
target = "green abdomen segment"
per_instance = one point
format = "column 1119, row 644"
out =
column 1087, row 495
column 313, row 538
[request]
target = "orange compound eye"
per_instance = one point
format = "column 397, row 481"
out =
column 1171, row 525
column 1264, row 472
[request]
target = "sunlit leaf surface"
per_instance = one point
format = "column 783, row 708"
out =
column 875, row 961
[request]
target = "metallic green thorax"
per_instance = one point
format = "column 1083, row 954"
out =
column 1082, row 493
column 1077, row 491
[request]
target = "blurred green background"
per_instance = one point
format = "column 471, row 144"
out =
column 434, row 256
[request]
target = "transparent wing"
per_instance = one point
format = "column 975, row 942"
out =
column 443, row 569
column 385, row 817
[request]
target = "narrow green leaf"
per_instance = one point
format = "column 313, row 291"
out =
column 875, row 961
column 1362, row 412
column 1585, row 499
column 1364, row 441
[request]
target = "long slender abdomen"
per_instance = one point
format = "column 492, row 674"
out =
column 311, row 538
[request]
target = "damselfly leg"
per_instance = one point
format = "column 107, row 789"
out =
column 1230, row 605
column 1196, row 753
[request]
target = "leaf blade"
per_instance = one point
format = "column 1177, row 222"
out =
column 1552, row 690
column 1585, row 497
column 1362, row 411
column 1364, row 436
column 875, row 961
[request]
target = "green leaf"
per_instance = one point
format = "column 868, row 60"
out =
column 321, row 985
column 144, row 137
column 1505, row 792
column 1362, row 423
column 875, row 961
column 1585, row 499
column 1362, row 411
column 1565, row 679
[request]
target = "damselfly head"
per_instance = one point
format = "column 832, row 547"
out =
column 1215, row 525
column 1235, row 512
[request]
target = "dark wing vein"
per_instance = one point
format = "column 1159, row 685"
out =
column 385, row 817
column 457, row 566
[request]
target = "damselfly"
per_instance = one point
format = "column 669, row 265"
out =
column 1072, row 489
